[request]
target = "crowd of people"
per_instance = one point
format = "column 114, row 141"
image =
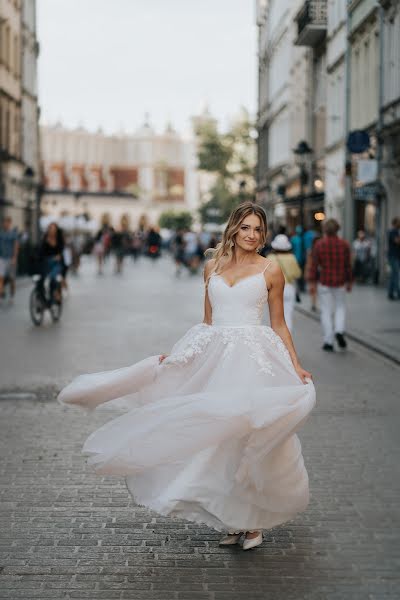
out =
column 322, row 264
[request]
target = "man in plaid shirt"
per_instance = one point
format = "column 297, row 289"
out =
column 331, row 268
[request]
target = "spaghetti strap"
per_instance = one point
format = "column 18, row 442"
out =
column 269, row 263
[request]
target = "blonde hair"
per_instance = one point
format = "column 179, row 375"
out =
column 223, row 253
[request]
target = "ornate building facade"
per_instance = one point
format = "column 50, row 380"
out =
column 390, row 107
column 19, row 113
column 328, row 70
column 288, row 111
column 125, row 174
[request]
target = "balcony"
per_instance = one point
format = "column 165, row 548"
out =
column 311, row 23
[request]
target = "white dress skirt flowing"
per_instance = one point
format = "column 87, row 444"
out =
column 209, row 434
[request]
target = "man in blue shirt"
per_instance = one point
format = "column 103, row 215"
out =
column 297, row 243
column 301, row 243
column 9, row 247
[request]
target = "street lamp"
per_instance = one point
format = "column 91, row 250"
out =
column 28, row 182
column 302, row 152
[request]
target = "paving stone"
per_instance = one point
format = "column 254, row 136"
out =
column 66, row 533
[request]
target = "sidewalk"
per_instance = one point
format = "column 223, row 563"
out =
column 373, row 320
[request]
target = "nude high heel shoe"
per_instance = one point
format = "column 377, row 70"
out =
column 253, row 542
column 230, row 539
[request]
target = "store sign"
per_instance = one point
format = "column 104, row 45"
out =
column 367, row 171
column 358, row 141
column 366, row 193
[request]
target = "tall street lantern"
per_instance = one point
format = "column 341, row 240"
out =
column 302, row 153
column 28, row 182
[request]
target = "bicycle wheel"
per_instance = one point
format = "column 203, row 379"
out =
column 36, row 307
column 56, row 310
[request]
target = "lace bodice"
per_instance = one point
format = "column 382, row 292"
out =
column 241, row 304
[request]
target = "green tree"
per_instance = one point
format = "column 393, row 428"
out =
column 221, row 203
column 215, row 151
column 171, row 219
column 230, row 156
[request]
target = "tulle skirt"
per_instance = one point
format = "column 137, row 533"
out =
column 209, row 434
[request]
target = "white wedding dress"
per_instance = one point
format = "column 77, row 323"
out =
column 209, row 434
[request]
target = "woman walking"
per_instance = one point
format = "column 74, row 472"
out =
column 209, row 430
column 285, row 258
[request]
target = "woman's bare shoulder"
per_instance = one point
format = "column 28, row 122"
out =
column 273, row 272
column 272, row 265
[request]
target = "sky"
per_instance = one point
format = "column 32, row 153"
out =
column 106, row 63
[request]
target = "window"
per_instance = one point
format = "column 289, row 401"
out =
column 16, row 134
column 16, row 56
column 366, row 81
column 7, row 130
column 6, row 49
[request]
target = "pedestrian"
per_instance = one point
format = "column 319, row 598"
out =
column 9, row 248
column 136, row 245
column 285, row 258
column 362, row 257
column 67, row 261
column 298, row 245
column 331, row 268
column 192, row 259
column 204, row 243
column 77, row 246
column 102, row 242
column 209, row 433
column 308, row 237
column 394, row 259
column 51, row 258
column 121, row 244
column 153, row 243
column 178, row 246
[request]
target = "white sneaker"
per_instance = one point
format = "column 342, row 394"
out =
column 231, row 539
column 252, row 542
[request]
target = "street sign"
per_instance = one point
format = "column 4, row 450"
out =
column 358, row 141
column 367, row 170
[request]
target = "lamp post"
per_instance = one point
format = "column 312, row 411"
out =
column 28, row 184
column 302, row 152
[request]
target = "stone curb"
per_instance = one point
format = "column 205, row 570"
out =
column 355, row 338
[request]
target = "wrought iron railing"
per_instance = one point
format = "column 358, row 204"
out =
column 314, row 12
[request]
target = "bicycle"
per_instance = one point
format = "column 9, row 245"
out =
column 43, row 298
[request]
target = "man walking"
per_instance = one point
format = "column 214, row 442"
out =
column 331, row 267
column 9, row 247
column 394, row 259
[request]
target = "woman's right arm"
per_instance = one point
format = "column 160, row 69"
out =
column 207, row 304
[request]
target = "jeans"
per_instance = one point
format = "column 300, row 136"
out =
column 51, row 268
column 332, row 301
column 394, row 288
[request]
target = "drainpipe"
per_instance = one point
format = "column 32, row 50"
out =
column 381, row 194
column 348, row 208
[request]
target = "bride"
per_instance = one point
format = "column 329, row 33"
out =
column 207, row 432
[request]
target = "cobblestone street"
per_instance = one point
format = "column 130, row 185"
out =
column 67, row 533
